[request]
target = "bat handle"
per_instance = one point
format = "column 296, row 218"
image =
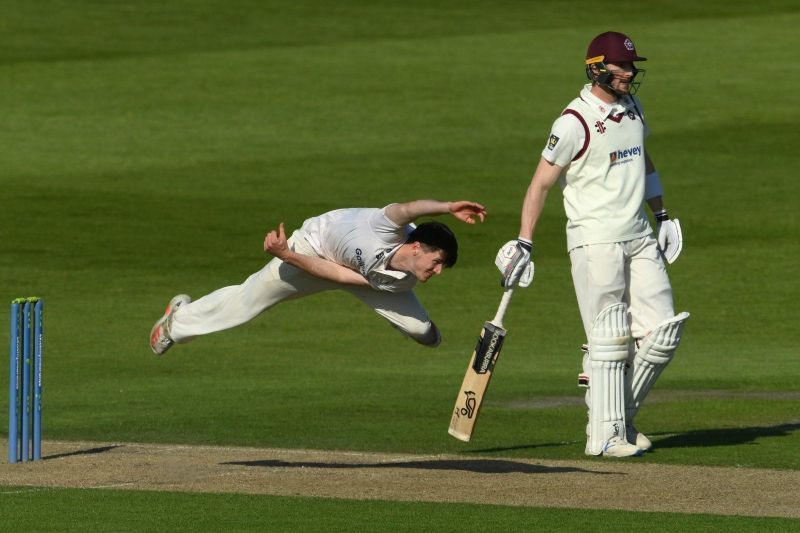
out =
column 501, row 309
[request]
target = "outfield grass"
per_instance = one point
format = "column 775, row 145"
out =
column 116, row 510
column 149, row 146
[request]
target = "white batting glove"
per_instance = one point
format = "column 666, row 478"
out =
column 670, row 237
column 514, row 262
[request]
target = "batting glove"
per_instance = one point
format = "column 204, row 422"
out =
column 670, row 237
column 514, row 262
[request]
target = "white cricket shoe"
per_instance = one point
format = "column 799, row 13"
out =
column 160, row 340
column 638, row 439
column 619, row 447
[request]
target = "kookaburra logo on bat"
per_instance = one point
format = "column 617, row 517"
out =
column 469, row 405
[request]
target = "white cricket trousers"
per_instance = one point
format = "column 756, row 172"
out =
column 278, row 282
column 632, row 272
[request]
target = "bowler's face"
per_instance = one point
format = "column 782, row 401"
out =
column 428, row 264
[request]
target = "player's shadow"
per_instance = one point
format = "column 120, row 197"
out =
column 700, row 438
column 479, row 466
column 88, row 451
column 705, row 438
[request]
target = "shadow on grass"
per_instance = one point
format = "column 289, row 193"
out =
column 480, row 466
column 90, row 451
column 703, row 438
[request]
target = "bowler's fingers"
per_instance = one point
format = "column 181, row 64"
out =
column 274, row 238
column 465, row 211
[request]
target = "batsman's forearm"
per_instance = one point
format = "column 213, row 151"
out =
column 324, row 269
column 656, row 203
column 544, row 177
column 531, row 210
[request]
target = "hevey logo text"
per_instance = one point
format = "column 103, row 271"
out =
column 620, row 157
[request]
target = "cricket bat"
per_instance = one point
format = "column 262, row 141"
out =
column 479, row 373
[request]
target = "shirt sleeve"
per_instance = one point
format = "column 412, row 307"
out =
column 384, row 229
column 566, row 140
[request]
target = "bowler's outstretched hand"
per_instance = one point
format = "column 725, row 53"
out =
column 275, row 242
column 467, row 211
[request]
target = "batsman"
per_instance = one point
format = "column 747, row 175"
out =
column 596, row 152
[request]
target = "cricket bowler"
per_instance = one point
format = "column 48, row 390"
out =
column 376, row 254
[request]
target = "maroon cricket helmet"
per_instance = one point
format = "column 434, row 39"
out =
column 612, row 47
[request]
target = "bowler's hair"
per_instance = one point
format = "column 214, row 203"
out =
column 437, row 236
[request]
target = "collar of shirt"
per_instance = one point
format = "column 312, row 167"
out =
column 601, row 108
column 396, row 274
column 382, row 267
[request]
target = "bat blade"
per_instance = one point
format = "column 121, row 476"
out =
column 476, row 381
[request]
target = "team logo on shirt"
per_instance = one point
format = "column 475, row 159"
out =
column 380, row 255
column 552, row 142
column 600, row 125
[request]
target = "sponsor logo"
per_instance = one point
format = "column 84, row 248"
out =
column 359, row 259
column 600, row 126
column 616, row 429
column 469, row 405
column 552, row 142
column 621, row 157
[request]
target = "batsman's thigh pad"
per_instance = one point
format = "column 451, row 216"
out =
column 655, row 352
column 608, row 350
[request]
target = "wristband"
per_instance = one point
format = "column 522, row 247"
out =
column 661, row 215
column 525, row 243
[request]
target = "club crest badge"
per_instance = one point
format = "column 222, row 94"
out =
column 552, row 142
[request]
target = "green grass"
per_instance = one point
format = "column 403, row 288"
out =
column 116, row 510
column 149, row 146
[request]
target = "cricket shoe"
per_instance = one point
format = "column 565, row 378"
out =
column 160, row 340
column 640, row 440
column 619, row 447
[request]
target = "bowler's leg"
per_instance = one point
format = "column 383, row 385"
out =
column 403, row 311
column 232, row 306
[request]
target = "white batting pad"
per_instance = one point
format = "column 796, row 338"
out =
column 654, row 354
column 608, row 350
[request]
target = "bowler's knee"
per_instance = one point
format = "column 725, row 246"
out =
column 425, row 333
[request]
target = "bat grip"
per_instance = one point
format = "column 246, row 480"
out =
column 501, row 309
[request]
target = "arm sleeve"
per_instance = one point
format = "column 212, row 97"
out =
column 566, row 140
column 384, row 228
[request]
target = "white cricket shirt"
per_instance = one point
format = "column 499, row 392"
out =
column 363, row 239
column 601, row 147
